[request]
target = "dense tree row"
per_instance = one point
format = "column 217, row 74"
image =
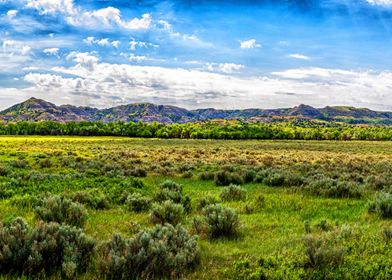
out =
column 203, row 130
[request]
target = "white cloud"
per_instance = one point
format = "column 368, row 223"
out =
column 299, row 56
column 227, row 68
column 85, row 60
column 12, row 13
column 136, row 58
column 51, row 51
column 25, row 50
column 133, row 45
column 105, row 42
column 12, row 48
column 52, row 6
column 249, row 44
column 143, row 23
column 75, row 15
column 380, row 2
column 104, row 84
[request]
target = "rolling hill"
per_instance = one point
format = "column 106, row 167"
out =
column 35, row 110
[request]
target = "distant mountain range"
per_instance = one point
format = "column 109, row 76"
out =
column 35, row 110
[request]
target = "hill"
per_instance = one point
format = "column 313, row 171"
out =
column 35, row 110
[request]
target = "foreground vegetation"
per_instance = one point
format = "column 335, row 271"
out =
column 122, row 208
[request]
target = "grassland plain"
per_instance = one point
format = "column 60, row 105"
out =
column 305, row 214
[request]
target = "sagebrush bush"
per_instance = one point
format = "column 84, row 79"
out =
column 335, row 188
column 220, row 220
column 322, row 253
column 161, row 252
column 204, row 201
column 382, row 204
column 46, row 248
column 91, row 198
column 136, row 172
column 167, row 212
column 4, row 170
column 61, row 210
column 207, row 175
column 15, row 239
column 137, row 202
column 172, row 191
column 225, row 178
column 233, row 193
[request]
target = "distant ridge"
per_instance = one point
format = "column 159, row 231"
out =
column 35, row 110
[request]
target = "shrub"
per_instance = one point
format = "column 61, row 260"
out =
column 249, row 175
column 14, row 245
column 46, row 248
column 137, row 172
column 20, row 163
column 382, row 205
column 92, row 198
column 322, row 253
column 138, row 203
column 161, row 252
column 4, row 170
column 233, row 193
column 167, row 212
column 333, row 188
column 46, row 163
column 387, row 234
column 172, row 191
column 205, row 176
column 225, row 178
column 61, row 247
column 204, row 201
column 61, row 210
column 221, row 221
column 274, row 180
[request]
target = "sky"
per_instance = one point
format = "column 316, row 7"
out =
column 197, row 54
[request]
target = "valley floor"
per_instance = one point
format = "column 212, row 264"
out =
column 310, row 209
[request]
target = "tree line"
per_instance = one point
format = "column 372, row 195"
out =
column 202, row 130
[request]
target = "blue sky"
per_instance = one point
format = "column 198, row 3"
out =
column 197, row 54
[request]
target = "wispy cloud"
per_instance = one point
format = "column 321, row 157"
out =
column 299, row 56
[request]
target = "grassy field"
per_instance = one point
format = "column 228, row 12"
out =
column 300, row 196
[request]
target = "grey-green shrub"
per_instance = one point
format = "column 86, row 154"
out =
column 61, row 210
column 167, row 212
column 161, row 252
column 322, row 253
column 233, row 193
column 91, row 198
column 14, row 245
column 382, row 204
column 204, row 201
column 220, row 220
column 170, row 190
column 137, row 202
column 46, row 248
column 59, row 247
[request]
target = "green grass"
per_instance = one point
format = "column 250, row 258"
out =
column 276, row 229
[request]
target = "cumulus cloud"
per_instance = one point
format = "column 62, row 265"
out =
column 249, row 44
column 136, row 58
column 104, row 84
column 77, row 16
column 105, row 42
column 51, row 51
column 86, row 61
column 299, row 56
column 227, row 68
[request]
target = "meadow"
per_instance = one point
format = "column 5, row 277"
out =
column 240, row 209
